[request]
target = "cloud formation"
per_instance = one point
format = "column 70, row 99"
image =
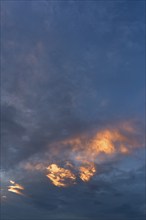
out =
column 72, row 91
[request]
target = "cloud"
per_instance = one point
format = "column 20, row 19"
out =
column 71, row 71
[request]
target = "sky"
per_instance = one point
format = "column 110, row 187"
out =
column 73, row 110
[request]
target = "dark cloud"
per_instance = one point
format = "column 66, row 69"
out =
column 95, row 196
column 71, row 68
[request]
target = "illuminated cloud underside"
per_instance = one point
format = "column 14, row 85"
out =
column 15, row 188
column 85, row 153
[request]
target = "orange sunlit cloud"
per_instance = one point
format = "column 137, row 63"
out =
column 59, row 175
column 15, row 188
column 86, row 171
column 109, row 141
column 84, row 152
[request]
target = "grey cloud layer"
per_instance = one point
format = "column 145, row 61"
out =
column 70, row 68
